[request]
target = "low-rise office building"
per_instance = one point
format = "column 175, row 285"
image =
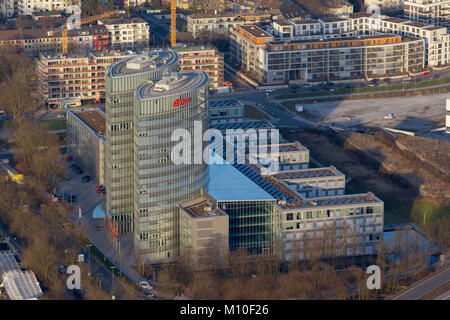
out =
column 74, row 77
column 204, row 233
column 86, row 141
column 317, row 182
column 226, row 109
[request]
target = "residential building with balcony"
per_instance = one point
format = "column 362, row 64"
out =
column 435, row 12
column 203, row 58
column 74, row 77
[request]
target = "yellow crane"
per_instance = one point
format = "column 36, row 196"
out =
column 64, row 28
column 173, row 21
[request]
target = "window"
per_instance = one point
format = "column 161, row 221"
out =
column 289, row 226
column 290, row 216
column 299, row 215
column 309, row 215
column 369, row 210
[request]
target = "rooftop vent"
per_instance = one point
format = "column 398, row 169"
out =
column 142, row 62
column 170, row 82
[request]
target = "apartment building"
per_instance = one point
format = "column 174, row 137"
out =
column 437, row 39
column 246, row 43
column 86, row 141
column 34, row 42
column 27, row 7
column 228, row 109
column 222, row 22
column 127, row 33
column 8, row 8
column 74, row 77
column 362, row 57
column 427, row 11
column 203, row 58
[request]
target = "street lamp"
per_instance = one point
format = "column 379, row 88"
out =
column 89, row 258
column 112, row 274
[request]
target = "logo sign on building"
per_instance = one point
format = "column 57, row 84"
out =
column 113, row 228
column 181, row 102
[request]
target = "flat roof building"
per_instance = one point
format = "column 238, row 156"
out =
column 86, row 141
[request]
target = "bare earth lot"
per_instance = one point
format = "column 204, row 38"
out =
column 416, row 113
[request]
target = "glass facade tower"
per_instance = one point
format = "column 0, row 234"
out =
column 176, row 101
column 122, row 78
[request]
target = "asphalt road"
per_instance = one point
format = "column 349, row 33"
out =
column 422, row 288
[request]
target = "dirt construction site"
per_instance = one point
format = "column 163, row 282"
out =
column 415, row 113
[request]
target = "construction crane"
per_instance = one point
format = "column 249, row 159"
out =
column 64, row 27
column 173, row 21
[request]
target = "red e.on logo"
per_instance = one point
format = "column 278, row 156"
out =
column 177, row 102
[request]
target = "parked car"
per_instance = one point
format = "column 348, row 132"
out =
column 308, row 85
column 62, row 196
column 102, row 192
column 86, row 179
column 100, row 186
column 144, row 284
column 67, row 159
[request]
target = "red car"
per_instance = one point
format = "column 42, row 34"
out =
column 67, row 159
column 426, row 74
column 99, row 187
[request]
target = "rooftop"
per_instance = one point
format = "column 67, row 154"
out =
column 242, row 125
column 143, row 62
column 201, row 207
column 122, row 20
column 333, row 19
column 308, row 173
column 226, row 183
column 225, row 103
column 175, row 82
column 255, row 31
column 286, row 147
column 360, row 15
column 288, row 198
column 343, row 39
column 395, row 20
column 94, row 119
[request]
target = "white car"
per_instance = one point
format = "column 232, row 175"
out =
column 269, row 90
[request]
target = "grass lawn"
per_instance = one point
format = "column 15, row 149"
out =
column 254, row 113
column 54, row 124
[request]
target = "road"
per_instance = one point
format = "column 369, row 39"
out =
column 419, row 290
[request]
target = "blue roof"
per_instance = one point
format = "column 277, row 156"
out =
column 226, row 183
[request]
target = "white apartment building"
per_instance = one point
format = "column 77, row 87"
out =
column 427, row 11
column 384, row 5
column 7, row 8
column 27, row 7
column 127, row 33
column 437, row 39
